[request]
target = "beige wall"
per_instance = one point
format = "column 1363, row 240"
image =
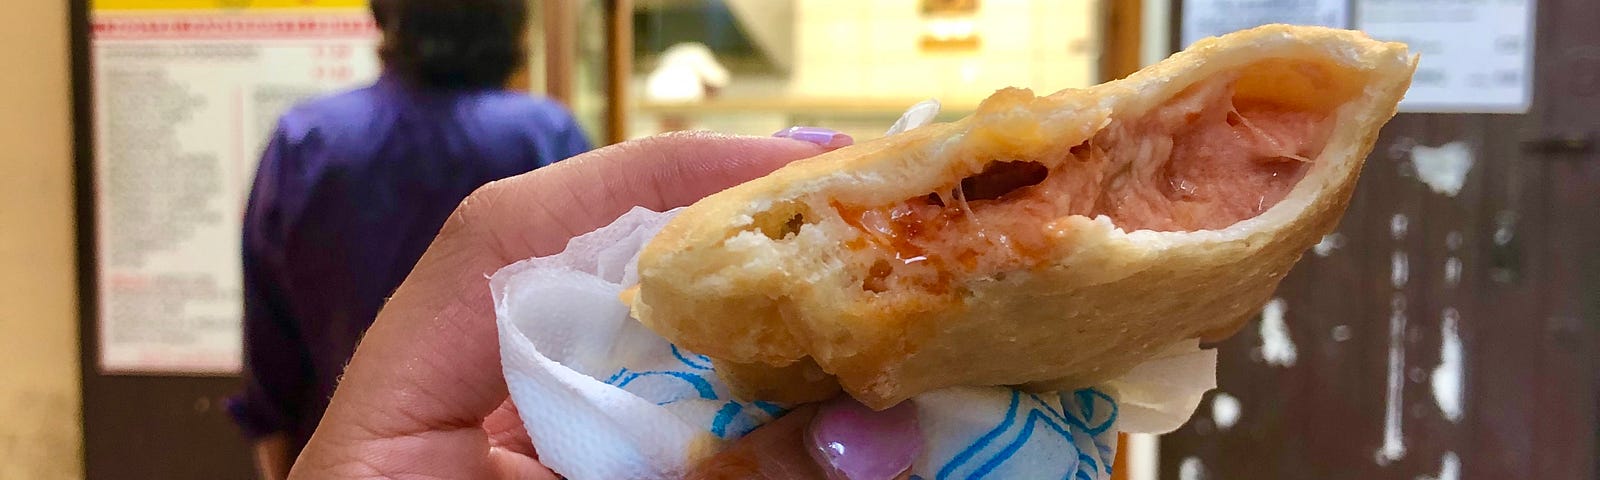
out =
column 852, row 49
column 40, row 417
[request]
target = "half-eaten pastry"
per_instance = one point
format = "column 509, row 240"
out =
column 1045, row 242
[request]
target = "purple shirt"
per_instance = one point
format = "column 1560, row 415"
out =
column 350, row 191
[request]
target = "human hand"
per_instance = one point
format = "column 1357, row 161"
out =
column 424, row 394
column 839, row 439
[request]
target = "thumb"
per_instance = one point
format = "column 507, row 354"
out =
column 773, row 452
column 840, row 439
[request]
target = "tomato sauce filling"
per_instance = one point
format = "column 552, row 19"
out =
column 1205, row 159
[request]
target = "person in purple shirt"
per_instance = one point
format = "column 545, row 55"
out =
column 353, row 187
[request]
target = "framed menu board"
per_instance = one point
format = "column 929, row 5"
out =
column 185, row 94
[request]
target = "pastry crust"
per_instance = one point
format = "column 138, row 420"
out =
column 762, row 277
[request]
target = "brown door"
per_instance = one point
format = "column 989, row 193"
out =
column 138, row 427
column 1512, row 261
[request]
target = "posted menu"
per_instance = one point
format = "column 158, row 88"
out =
column 1477, row 56
column 1209, row 18
column 184, row 102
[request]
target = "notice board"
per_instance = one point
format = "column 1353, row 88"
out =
column 1208, row 18
column 1477, row 57
column 185, row 94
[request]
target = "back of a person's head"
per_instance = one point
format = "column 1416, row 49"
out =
column 452, row 44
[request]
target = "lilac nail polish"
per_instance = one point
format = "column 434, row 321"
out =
column 853, row 442
column 821, row 136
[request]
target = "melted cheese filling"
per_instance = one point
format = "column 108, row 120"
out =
column 1205, row 159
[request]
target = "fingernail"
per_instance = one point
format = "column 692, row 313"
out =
column 852, row 442
column 818, row 135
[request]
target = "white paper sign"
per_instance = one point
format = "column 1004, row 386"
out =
column 183, row 104
column 1210, row 18
column 1477, row 56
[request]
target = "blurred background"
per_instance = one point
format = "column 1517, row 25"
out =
column 1449, row 329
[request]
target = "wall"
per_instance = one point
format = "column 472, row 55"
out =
column 40, row 432
column 1155, row 37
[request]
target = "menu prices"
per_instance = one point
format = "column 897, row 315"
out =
column 1209, row 18
column 1477, row 55
column 184, row 102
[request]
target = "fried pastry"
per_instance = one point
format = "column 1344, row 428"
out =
column 1046, row 242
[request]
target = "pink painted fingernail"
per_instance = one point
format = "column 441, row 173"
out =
column 821, row 136
column 853, row 442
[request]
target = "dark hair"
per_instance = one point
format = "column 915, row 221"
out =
column 452, row 44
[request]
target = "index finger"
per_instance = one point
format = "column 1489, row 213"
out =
column 524, row 218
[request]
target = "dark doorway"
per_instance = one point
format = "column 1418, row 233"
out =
column 138, row 427
column 1512, row 261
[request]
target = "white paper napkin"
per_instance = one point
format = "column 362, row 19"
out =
column 603, row 397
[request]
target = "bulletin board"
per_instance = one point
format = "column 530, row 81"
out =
column 1476, row 56
column 184, row 95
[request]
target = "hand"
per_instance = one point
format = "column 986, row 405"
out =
column 272, row 457
column 838, row 439
column 424, row 395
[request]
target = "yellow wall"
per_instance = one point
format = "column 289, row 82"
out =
column 40, row 416
column 853, row 49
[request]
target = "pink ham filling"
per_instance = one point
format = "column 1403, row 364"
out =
column 1205, row 159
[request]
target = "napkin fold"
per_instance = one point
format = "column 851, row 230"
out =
column 603, row 397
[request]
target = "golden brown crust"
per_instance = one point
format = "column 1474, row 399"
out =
column 732, row 278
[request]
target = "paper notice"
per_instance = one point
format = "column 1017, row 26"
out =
column 184, row 101
column 1477, row 57
column 1209, row 18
